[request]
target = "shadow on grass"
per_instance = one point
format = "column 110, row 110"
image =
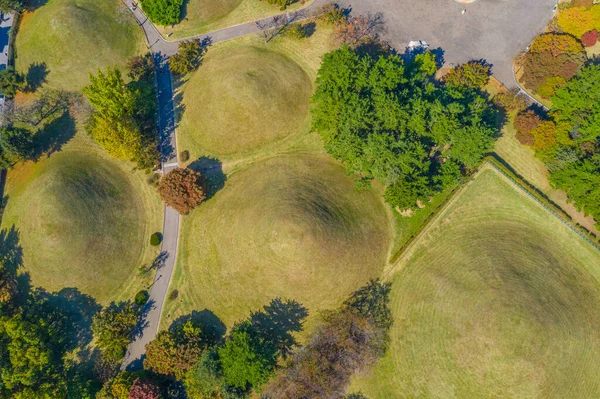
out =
column 36, row 76
column 52, row 137
column 213, row 329
column 212, row 170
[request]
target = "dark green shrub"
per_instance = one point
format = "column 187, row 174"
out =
column 155, row 239
column 141, row 297
column 173, row 295
column 184, row 156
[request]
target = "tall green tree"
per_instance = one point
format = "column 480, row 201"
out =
column 112, row 327
column 11, row 81
column 576, row 104
column 121, row 112
column 16, row 145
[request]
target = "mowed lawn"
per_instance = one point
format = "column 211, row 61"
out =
column 293, row 226
column 75, row 37
column 200, row 16
column 84, row 220
column 249, row 100
column 498, row 299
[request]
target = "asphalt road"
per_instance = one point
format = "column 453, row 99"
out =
column 493, row 30
column 151, row 313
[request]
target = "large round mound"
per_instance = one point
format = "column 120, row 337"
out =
column 241, row 100
column 291, row 227
column 81, row 223
column 498, row 300
column 74, row 38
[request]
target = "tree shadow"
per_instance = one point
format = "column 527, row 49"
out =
column 213, row 329
column 212, row 170
column 277, row 321
column 36, row 76
column 53, row 136
column 73, row 308
column 11, row 252
column 142, row 323
column 33, row 5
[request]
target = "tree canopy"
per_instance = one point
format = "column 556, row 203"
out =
column 163, row 12
column 390, row 121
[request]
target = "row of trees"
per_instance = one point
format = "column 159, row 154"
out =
column 123, row 121
column 391, row 121
column 260, row 355
column 568, row 139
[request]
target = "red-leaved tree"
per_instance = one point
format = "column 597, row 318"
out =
column 182, row 189
column 144, row 389
column 589, row 38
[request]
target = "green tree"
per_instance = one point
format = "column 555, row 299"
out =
column 389, row 122
column 16, row 145
column 28, row 366
column 188, row 57
column 123, row 117
column 7, row 6
column 581, row 181
column 163, row 12
column 576, row 104
column 11, row 81
column 203, row 380
column 243, row 364
column 112, row 328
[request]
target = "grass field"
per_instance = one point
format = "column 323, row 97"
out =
column 292, row 226
column 250, row 100
column 262, row 96
column 497, row 299
column 85, row 221
column 76, row 37
column 201, row 16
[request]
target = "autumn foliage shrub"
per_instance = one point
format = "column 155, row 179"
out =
column 589, row 38
column 509, row 101
column 539, row 67
column 473, row 75
column 524, row 123
column 557, row 44
column 582, row 3
column 144, row 389
column 544, row 135
column 358, row 30
column 578, row 20
column 182, row 189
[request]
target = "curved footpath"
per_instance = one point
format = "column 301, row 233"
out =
column 162, row 49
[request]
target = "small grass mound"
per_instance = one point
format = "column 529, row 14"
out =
column 243, row 100
column 291, row 227
column 498, row 299
column 82, row 223
column 76, row 37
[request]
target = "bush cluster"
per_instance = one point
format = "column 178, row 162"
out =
column 163, row 12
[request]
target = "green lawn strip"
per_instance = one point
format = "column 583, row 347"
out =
column 292, row 226
column 85, row 221
column 76, row 37
column 524, row 162
column 496, row 299
column 201, row 16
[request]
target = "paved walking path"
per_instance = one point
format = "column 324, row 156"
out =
column 151, row 313
column 158, row 44
column 162, row 49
